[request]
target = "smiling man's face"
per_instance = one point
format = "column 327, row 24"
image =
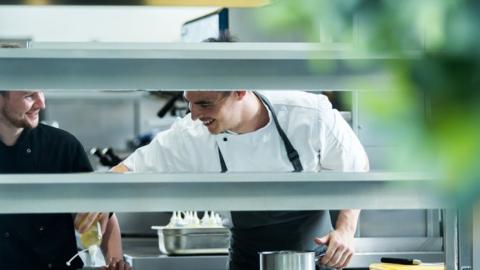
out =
column 20, row 109
column 218, row 111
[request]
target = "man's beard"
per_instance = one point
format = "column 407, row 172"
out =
column 17, row 123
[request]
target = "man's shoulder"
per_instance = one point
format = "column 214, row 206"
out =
column 184, row 132
column 298, row 99
column 54, row 134
column 185, row 128
column 186, row 124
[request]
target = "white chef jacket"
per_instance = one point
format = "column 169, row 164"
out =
column 323, row 139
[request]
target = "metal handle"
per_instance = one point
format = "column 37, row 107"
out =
column 320, row 251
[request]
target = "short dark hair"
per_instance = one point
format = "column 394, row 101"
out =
column 225, row 93
column 224, row 36
column 10, row 45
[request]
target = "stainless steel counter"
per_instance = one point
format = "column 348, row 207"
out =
column 143, row 254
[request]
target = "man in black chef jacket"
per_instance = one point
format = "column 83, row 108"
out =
column 42, row 241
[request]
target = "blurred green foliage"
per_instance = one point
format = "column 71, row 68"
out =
column 436, row 104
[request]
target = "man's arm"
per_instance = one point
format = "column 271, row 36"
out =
column 340, row 150
column 347, row 220
column 340, row 241
column 120, row 168
column 112, row 247
column 111, row 243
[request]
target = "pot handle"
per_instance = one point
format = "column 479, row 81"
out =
column 320, row 251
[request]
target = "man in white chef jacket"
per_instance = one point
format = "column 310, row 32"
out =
column 271, row 131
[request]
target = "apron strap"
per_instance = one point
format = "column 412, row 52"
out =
column 292, row 153
column 222, row 161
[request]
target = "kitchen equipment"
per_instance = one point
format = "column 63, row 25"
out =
column 192, row 241
column 400, row 261
column 104, row 160
column 108, row 151
column 291, row 260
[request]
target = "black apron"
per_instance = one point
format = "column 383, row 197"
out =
column 258, row 231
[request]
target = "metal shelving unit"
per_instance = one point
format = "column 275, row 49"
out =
column 279, row 66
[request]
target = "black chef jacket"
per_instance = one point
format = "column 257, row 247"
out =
column 40, row 241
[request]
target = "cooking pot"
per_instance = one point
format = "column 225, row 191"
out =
column 291, row 260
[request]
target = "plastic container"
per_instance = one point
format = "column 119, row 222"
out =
column 92, row 237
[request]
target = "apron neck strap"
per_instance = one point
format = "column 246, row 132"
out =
column 292, row 153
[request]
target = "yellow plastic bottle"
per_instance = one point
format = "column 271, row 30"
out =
column 91, row 240
column 92, row 237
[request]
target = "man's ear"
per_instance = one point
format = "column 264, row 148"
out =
column 239, row 94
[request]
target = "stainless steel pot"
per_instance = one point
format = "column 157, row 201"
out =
column 290, row 260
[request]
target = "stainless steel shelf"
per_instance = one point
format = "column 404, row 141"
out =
column 184, row 66
column 24, row 193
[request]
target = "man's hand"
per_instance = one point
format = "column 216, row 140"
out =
column 83, row 221
column 117, row 264
column 340, row 248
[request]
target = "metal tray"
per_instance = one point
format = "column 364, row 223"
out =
column 192, row 241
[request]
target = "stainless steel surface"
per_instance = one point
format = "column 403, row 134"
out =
column 476, row 236
column 30, row 193
column 205, row 262
column 450, row 238
column 139, row 223
column 287, row 260
column 362, row 260
column 366, row 245
column 143, row 254
column 433, row 222
column 95, row 122
column 465, row 238
column 92, row 66
column 384, row 223
column 192, row 241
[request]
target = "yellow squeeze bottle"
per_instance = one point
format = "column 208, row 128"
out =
column 92, row 237
column 90, row 240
